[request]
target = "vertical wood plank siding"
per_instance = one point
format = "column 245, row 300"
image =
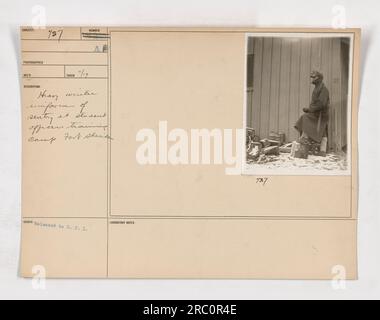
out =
column 281, row 70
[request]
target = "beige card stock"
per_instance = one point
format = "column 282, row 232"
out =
column 120, row 181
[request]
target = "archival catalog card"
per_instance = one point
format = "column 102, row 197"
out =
column 198, row 153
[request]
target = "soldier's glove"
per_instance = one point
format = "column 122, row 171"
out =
column 306, row 110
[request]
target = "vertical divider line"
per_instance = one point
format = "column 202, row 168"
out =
column 108, row 142
column 352, row 72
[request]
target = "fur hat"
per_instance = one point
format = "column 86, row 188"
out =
column 316, row 74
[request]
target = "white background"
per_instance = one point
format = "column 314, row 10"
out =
column 287, row 13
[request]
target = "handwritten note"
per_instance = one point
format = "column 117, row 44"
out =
column 68, row 116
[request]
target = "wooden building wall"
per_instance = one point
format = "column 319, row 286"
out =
column 278, row 84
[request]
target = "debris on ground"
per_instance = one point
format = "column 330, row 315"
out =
column 284, row 161
column 275, row 153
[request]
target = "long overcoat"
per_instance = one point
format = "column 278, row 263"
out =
column 314, row 122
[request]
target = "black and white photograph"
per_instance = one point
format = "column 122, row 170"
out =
column 298, row 104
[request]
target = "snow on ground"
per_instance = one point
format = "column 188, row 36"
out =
column 317, row 164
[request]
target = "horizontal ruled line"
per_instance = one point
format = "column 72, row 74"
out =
column 199, row 218
column 67, row 65
column 89, row 78
column 231, row 217
column 56, row 40
column 92, row 52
